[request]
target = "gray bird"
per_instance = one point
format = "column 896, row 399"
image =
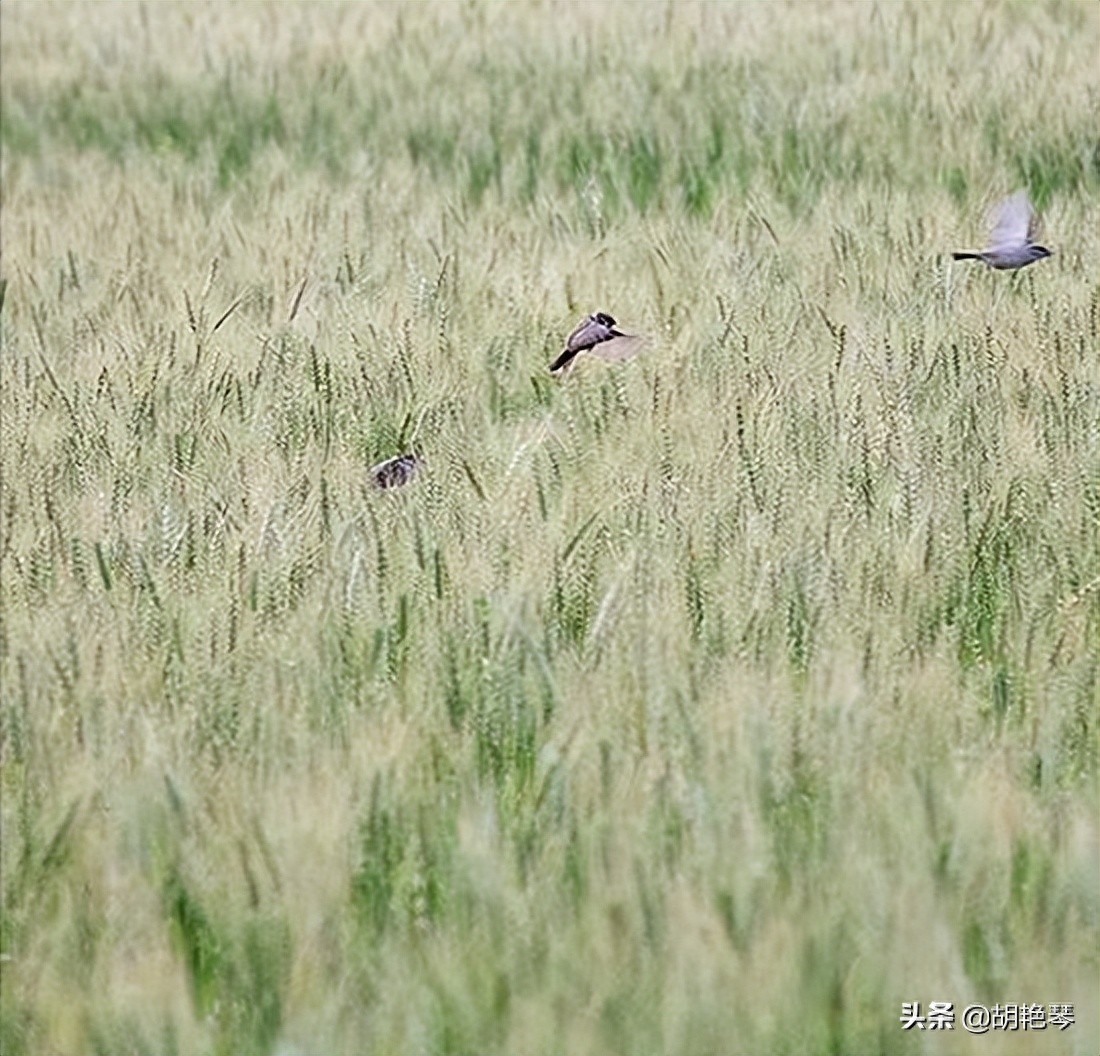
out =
column 1011, row 242
column 596, row 333
column 395, row 472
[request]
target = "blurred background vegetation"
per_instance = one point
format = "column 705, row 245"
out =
column 717, row 701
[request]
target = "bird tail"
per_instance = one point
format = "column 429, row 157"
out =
column 967, row 256
column 562, row 360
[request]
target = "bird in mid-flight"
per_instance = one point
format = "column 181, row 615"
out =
column 395, row 472
column 596, row 333
column 1011, row 243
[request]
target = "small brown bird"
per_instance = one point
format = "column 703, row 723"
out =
column 596, row 333
column 395, row 472
column 1011, row 242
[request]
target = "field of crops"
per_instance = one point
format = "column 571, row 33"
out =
column 717, row 701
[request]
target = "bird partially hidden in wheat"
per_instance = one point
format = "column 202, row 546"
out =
column 1012, row 241
column 598, row 335
column 395, row 472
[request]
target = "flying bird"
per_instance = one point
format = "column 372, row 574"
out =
column 395, row 472
column 596, row 333
column 1011, row 243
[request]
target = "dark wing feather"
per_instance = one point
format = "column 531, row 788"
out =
column 585, row 334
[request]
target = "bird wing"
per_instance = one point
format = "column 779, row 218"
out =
column 1033, row 226
column 618, row 347
column 586, row 333
column 1013, row 220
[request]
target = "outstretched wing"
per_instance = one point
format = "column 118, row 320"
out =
column 618, row 347
column 1033, row 226
column 1013, row 221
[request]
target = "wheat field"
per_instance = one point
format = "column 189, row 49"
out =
column 719, row 701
